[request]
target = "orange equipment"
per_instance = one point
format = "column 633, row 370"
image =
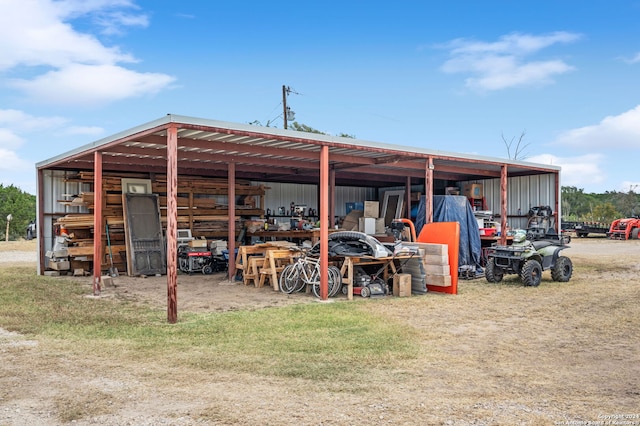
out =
column 624, row 229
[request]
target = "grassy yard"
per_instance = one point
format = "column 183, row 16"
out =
column 493, row 354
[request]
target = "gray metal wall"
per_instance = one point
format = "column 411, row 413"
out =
column 53, row 190
column 282, row 194
column 522, row 193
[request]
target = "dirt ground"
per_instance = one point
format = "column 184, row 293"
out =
column 495, row 354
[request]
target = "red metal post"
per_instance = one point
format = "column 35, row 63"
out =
column 428, row 191
column 332, row 198
column 558, row 206
column 324, row 219
column 231, row 195
column 40, row 221
column 97, row 221
column 503, row 205
column 172, row 224
column 407, row 197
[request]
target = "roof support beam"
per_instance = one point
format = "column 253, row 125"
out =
column 503, row 204
column 429, row 190
column 172, row 224
column 324, row 218
column 296, row 152
column 231, row 208
column 97, row 221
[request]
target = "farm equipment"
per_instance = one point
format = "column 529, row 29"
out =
column 192, row 260
column 582, row 229
column 528, row 259
column 624, row 229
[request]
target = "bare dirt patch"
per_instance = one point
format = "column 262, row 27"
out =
column 493, row 354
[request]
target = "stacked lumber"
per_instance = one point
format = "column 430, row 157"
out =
column 430, row 266
column 202, row 207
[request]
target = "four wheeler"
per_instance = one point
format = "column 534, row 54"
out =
column 528, row 259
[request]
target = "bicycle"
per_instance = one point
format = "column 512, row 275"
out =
column 305, row 271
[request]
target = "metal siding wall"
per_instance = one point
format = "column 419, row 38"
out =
column 282, row 194
column 523, row 193
column 351, row 194
column 54, row 188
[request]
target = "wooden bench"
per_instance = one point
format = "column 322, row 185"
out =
column 274, row 263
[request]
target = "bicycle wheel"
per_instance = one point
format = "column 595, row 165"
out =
column 289, row 279
column 336, row 282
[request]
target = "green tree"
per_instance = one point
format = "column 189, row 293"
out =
column 604, row 213
column 304, row 128
column 576, row 204
column 21, row 206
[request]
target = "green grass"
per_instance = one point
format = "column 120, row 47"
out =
column 334, row 341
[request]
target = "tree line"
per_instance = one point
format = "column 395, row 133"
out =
column 22, row 208
column 578, row 206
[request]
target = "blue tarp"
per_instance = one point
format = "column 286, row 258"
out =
column 455, row 208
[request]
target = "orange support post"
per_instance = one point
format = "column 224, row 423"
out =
column 97, row 221
column 172, row 224
column 324, row 219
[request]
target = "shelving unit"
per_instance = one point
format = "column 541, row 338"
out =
column 478, row 203
column 203, row 207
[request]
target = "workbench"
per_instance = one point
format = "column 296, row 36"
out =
column 297, row 234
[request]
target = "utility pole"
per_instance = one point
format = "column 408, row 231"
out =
column 284, row 104
column 287, row 114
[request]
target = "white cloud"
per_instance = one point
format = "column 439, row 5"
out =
column 502, row 64
column 15, row 119
column 633, row 60
column 37, row 37
column 618, row 131
column 576, row 171
column 11, row 162
column 88, row 84
column 9, row 139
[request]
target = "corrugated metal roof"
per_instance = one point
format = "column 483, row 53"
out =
column 206, row 147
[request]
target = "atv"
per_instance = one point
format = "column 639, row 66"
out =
column 528, row 259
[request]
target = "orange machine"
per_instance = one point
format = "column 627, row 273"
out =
column 624, row 229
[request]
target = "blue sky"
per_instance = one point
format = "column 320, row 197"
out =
column 458, row 76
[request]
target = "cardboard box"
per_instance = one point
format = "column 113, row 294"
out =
column 402, row 285
column 371, row 225
column 198, row 243
column 59, row 265
column 452, row 190
column 371, row 209
column 472, row 190
column 351, row 221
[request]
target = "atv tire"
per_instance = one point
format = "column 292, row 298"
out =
column 562, row 270
column 493, row 273
column 531, row 273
